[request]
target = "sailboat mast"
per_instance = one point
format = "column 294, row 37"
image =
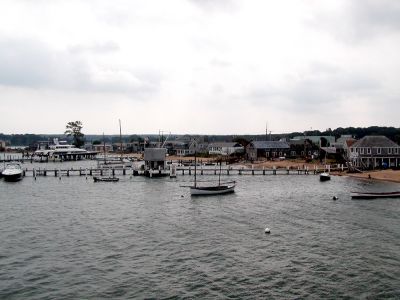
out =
column 219, row 175
column 120, row 136
column 104, row 149
column 195, row 169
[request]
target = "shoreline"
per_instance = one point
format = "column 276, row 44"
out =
column 380, row 175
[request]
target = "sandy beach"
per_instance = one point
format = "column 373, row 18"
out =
column 386, row 175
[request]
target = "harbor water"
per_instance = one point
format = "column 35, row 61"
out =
column 148, row 238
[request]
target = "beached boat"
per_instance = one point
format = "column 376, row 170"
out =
column 359, row 195
column 324, row 176
column 13, row 172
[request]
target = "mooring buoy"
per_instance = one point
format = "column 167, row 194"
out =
column 335, row 198
column 267, row 230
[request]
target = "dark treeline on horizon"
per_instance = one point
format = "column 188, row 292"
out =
column 357, row 132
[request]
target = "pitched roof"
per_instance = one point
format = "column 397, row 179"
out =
column 374, row 141
column 270, row 145
column 225, row 144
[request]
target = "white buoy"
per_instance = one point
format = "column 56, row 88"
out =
column 267, row 230
column 335, row 198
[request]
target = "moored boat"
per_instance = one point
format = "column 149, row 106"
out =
column 225, row 188
column 324, row 176
column 13, row 172
column 221, row 188
column 370, row 195
column 105, row 179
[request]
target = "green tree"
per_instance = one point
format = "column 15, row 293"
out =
column 74, row 129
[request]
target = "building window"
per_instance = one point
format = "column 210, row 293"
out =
column 362, row 151
column 293, row 153
column 396, row 150
column 274, row 154
column 389, row 150
column 267, row 154
column 368, row 150
column 280, row 154
column 378, row 150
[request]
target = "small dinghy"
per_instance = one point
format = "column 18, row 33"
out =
column 324, row 176
column 359, row 195
column 105, row 179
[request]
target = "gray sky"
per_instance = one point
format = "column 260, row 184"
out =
column 198, row 66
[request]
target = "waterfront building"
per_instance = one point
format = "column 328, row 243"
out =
column 267, row 149
column 155, row 158
column 225, row 148
column 375, row 152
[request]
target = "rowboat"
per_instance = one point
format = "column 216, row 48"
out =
column 358, row 195
column 105, row 179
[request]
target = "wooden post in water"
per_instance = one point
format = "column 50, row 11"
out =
column 263, row 170
column 86, row 173
column 274, row 170
column 190, row 171
column 287, row 170
column 59, row 174
column 252, row 169
column 44, row 172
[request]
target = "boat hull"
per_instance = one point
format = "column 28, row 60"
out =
column 105, row 179
column 215, row 190
column 355, row 195
column 12, row 177
column 324, row 177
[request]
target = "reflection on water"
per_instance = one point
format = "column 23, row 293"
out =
column 139, row 238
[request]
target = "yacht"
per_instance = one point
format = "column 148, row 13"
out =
column 59, row 148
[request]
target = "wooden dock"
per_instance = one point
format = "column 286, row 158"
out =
column 180, row 171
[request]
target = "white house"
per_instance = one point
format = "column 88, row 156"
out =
column 225, row 148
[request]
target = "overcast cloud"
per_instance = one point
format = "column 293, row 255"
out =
column 198, row 66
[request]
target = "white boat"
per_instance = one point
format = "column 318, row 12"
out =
column 324, row 176
column 225, row 188
column 13, row 172
column 60, row 148
column 370, row 195
column 221, row 188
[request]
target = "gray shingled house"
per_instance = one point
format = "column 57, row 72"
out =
column 375, row 152
column 267, row 149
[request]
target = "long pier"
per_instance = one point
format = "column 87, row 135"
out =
column 181, row 171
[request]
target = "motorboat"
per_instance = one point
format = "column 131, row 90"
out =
column 370, row 195
column 13, row 172
column 59, row 148
column 324, row 176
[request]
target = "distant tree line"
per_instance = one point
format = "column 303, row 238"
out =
column 357, row 132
